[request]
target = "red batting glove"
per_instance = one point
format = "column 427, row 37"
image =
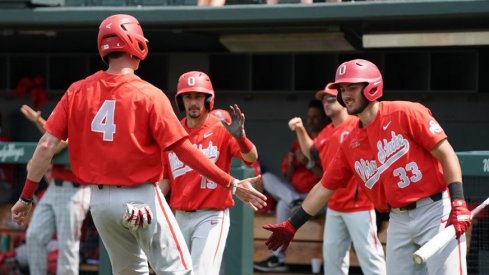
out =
column 460, row 217
column 282, row 234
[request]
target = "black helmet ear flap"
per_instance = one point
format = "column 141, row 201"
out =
column 179, row 102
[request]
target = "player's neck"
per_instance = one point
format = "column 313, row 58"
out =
column 369, row 113
column 123, row 65
column 196, row 122
column 340, row 117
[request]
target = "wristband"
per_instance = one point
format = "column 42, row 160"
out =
column 29, row 188
column 456, row 191
column 25, row 201
column 299, row 218
column 235, row 186
column 245, row 145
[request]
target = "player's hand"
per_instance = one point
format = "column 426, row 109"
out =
column 460, row 217
column 20, row 211
column 295, row 123
column 236, row 127
column 249, row 195
column 282, row 235
column 29, row 113
column 138, row 215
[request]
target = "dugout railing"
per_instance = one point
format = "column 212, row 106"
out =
column 239, row 250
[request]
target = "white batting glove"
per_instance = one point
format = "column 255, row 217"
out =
column 138, row 215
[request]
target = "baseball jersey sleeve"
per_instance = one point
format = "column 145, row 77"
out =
column 424, row 129
column 57, row 123
column 338, row 172
column 164, row 124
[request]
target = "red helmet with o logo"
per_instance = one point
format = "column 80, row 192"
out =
column 195, row 82
column 122, row 33
column 360, row 71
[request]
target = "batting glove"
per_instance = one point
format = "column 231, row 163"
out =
column 138, row 215
column 460, row 217
column 282, row 235
column 236, row 127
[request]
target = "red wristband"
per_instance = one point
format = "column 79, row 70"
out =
column 245, row 145
column 29, row 189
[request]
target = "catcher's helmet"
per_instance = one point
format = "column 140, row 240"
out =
column 122, row 33
column 195, row 82
column 360, row 71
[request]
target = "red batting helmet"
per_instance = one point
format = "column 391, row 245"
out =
column 326, row 91
column 122, row 33
column 360, row 71
column 195, row 82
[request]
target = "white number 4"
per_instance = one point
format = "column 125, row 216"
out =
column 103, row 122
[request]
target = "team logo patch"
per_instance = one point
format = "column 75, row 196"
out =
column 435, row 128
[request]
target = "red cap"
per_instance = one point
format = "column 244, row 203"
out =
column 328, row 90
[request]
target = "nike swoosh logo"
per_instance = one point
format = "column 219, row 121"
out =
column 208, row 135
column 109, row 26
column 444, row 220
column 214, row 222
column 386, row 126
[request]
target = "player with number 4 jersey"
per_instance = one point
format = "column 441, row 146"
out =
column 202, row 206
column 118, row 125
column 404, row 161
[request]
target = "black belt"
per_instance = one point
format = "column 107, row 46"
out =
column 59, row 182
column 101, row 186
column 413, row 205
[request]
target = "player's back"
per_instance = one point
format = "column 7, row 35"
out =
column 110, row 118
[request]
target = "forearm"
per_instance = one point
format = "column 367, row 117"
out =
column 305, row 142
column 251, row 156
column 40, row 122
column 316, row 199
column 449, row 162
column 42, row 157
column 189, row 155
column 247, row 149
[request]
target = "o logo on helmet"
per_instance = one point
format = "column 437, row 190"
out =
column 342, row 70
column 191, row 81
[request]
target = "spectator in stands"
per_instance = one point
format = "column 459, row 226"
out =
column 299, row 176
column 213, row 3
column 273, row 2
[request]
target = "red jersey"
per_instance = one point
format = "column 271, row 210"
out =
column 303, row 179
column 350, row 197
column 189, row 189
column 117, row 126
column 392, row 156
column 61, row 172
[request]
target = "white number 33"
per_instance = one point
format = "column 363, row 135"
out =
column 103, row 122
column 405, row 179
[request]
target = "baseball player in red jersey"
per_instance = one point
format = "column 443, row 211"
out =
column 202, row 206
column 350, row 215
column 62, row 210
column 117, row 126
column 404, row 161
column 299, row 177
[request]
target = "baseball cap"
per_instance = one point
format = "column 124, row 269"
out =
column 328, row 90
